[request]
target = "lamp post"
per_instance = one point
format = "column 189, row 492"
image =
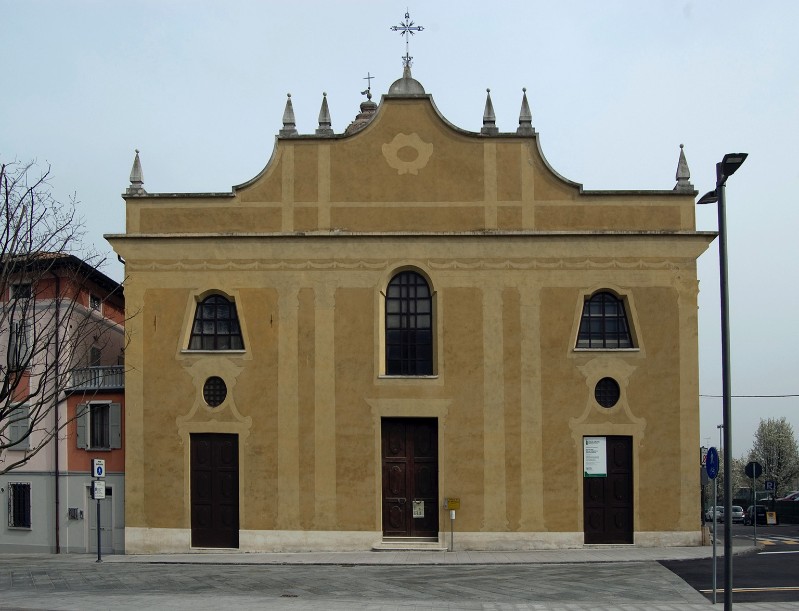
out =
column 724, row 169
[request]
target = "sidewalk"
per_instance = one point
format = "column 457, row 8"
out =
column 555, row 556
column 616, row 578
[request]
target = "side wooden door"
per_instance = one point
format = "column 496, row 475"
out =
column 106, row 522
column 608, row 501
column 214, row 490
column 410, row 477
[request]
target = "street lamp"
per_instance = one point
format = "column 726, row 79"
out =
column 724, row 169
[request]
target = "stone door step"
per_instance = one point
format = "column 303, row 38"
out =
column 409, row 544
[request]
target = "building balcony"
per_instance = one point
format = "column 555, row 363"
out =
column 98, row 378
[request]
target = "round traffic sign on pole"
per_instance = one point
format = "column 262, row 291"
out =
column 753, row 469
column 712, row 463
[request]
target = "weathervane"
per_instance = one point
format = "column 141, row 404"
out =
column 368, row 91
column 407, row 29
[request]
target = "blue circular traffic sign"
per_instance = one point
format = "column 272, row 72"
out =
column 712, row 463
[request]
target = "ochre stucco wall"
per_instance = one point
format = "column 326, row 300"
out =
column 511, row 250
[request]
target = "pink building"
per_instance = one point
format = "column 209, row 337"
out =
column 72, row 381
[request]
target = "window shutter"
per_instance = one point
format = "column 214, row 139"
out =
column 115, row 425
column 19, row 428
column 82, row 420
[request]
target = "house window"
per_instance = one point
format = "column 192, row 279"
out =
column 99, row 433
column 216, row 325
column 94, row 302
column 19, row 505
column 409, row 325
column 21, row 291
column 94, row 357
column 99, row 426
column 604, row 323
column 18, row 429
column 19, row 343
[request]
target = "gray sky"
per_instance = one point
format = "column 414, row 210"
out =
column 615, row 87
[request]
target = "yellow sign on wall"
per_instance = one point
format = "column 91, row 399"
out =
column 452, row 503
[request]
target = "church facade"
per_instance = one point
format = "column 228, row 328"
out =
column 405, row 329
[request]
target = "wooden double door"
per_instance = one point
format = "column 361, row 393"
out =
column 410, row 477
column 608, row 501
column 214, row 490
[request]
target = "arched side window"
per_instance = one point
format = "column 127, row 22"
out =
column 604, row 323
column 216, row 325
column 409, row 326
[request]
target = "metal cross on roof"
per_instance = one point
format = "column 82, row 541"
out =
column 368, row 91
column 407, row 29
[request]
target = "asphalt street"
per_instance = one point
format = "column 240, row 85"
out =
column 767, row 574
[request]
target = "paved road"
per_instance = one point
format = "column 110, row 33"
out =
column 78, row 582
column 770, row 574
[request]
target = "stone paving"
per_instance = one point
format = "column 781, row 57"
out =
column 266, row 581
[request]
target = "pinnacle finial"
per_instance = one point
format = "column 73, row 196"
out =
column 525, row 116
column 136, row 177
column 324, row 128
column 489, row 118
column 683, row 173
column 289, row 125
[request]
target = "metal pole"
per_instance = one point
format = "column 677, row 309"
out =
column 715, row 535
column 99, row 556
column 754, row 508
column 726, row 389
column 452, row 530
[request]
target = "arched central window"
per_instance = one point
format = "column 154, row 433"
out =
column 216, row 325
column 604, row 323
column 409, row 326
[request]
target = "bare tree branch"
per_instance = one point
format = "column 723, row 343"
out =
column 49, row 325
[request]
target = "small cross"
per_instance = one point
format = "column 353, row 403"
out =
column 407, row 29
column 368, row 92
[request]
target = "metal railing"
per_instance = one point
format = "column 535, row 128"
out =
column 98, row 378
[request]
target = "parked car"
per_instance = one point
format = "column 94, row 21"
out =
column 719, row 514
column 737, row 514
column 791, row 496
column 760, row 516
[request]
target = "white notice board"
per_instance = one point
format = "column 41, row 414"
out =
column 595, row 463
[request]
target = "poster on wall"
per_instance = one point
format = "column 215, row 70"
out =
column 595, row 462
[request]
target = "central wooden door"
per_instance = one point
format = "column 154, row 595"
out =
column 410, row 477
column 214, row 490
column 608, row 501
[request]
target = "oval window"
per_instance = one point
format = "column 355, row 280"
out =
column 214, row 391
column 607, row 392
